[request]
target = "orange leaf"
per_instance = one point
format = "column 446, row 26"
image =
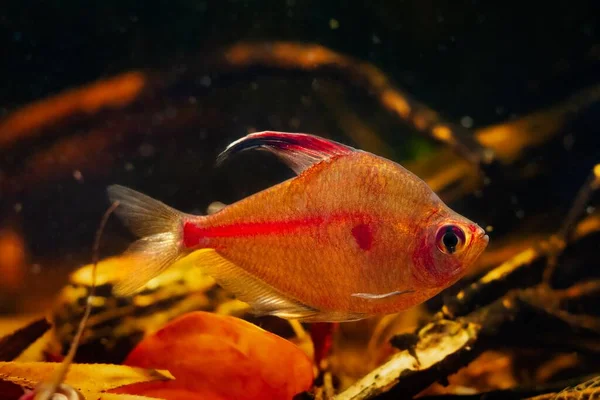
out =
column 221, row 357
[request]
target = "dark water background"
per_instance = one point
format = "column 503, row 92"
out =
column 461, row 57
column 490, row 61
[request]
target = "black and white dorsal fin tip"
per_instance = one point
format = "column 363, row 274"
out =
column 298, row 150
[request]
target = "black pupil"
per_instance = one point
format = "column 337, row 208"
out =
column 450, row 241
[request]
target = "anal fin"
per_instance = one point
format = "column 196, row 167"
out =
column 264, row 299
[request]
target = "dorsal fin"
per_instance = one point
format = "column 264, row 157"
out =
column 298, row 150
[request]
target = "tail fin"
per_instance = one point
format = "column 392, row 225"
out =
column 160, row 229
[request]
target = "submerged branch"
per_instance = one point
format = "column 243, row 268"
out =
column 311, row 57
column 56, row 116
column 11, row 346
column 510, row 274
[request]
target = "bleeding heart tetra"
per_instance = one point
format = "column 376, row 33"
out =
column 351, row 236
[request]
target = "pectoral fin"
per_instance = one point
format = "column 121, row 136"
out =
column 373, row 296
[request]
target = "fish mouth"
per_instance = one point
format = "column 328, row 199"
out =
column 480, row 239
column 482, row 235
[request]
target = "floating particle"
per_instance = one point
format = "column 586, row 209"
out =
column 375, row 39
column 78, row 175
column 171, row 112
column 146, row 150
column 128, row 166
column 275, row 120
column 489, row 228
column 568, row 142
column 205, row 81
column 466, row 121
column 36, row 269
column 520, row 214
column 18, row 207
column 334, row 23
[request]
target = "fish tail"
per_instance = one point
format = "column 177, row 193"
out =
column 159, row 228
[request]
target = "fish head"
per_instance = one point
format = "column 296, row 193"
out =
column 447, row 246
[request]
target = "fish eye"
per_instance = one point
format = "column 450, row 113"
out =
column 450, row 239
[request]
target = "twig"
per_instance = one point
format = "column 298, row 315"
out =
column 45, row 390
column 542, row 391
column 438, row 341
column 28, row 121
column 591, row 184
column 589, row 389
column 14, row 344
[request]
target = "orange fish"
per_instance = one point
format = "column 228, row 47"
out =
column 351, row 236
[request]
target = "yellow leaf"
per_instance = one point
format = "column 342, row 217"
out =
column 91, row 380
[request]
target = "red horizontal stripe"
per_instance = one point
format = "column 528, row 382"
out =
column 193, row 234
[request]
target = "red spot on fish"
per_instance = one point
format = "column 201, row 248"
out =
column 363, row 235
column 472, row 228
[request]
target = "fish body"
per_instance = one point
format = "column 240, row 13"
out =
column 353, row 235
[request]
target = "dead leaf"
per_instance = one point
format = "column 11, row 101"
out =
column 220, row 357
column 91, row 380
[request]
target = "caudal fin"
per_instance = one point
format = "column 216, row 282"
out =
column 159, row 228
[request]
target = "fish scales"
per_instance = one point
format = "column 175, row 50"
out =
column 302, row 229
